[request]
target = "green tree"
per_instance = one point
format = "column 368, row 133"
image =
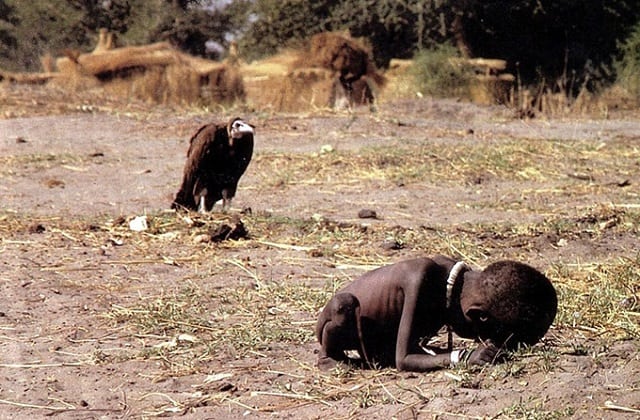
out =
column 548, row 40
column 187, row 24
column 8, row 40
column 274, row 24
column 29, row 30
column 189, row 28
column 112, row 15
column 628, row 64
column 396, row 29
column 44, row 27
column 57, row 25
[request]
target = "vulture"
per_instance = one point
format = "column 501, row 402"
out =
column 217, row 157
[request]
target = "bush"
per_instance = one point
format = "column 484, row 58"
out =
column 628, row 66
column 440, row 72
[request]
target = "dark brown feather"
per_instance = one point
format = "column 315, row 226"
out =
column 214, row 166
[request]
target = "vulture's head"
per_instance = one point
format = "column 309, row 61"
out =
column 237, row 129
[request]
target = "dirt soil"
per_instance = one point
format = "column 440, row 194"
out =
column 77, row 170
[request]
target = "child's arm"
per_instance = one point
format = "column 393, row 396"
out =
column 419, row 362
column 483, row 354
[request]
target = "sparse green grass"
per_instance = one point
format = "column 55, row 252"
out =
column 525, row 361
column 190, row 326
column 533, row 410
column 595, row 297
column 166, row 314
column 455, row 162
column 600, row 297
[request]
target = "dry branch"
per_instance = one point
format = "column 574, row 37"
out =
column 609, row 405
column 158, row 54
column 27, row 78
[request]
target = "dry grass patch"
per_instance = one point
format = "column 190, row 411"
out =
column 455, row 162
column 187, row 327
column 38, row 161
column 602, row 298
column 190, row 327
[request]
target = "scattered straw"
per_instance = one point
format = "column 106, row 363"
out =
column 609, row 405
column 287, row 246
column 60, row 409
column 25, row 405
column 41, row 365
column 291, row 395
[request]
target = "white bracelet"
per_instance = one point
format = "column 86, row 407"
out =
column 458, row 356
column 455, row 357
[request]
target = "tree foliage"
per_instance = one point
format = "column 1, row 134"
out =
column 628, row 64
column 395, row 29
column 111, row 15
column 548, row 39
column 28, row 30
column 8, row 22
column 273, row 24
column 43, row 27
column 540, row 39
column 191, row 30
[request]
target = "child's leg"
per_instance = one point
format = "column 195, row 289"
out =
column 338, row 330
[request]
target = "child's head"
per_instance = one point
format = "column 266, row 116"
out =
column 511, row 303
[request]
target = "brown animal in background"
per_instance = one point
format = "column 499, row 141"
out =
column 351, row 61
column 218, row 155
column 360, row 92
column 386, row 313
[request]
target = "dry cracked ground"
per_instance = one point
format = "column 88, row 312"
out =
column 101, row 321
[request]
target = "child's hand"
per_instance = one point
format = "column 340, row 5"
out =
column 485, row 353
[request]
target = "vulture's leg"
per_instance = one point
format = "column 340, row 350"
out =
column 202, row 201
column 199, row 196
column 202, row 207
column 226, row 200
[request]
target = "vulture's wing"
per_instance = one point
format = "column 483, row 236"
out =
column 197, row 161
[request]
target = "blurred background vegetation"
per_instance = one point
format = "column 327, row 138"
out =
column 584, row 43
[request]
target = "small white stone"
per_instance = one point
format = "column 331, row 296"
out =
column 138, row 224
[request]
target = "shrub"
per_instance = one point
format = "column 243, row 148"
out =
column 440, row 72
column 628, row 66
